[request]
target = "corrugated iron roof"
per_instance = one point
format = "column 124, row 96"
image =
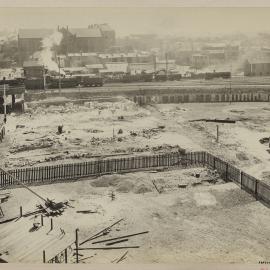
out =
column 115, row 67
column 35, row 33
column 99, row 66
column 259, row 61
column 32, row 63
column 85, row 32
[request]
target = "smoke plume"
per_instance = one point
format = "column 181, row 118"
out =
column 45, row 56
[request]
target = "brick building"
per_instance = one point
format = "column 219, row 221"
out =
column 88, row 39
column 30, row 41
column 95, row 38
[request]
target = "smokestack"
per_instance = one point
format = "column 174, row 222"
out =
column 58, row 28
column 67, row 27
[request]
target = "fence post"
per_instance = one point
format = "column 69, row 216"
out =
column 21, row 214
column 256, row 190
column 226, row 171
column 41, row 217
column 214, row 163
column 66, row 256
column 51, row 224
column 44, row 257
column 241, row 176
column 77, row 245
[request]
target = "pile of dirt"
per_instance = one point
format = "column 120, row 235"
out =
column 98, row 141
column 202, row 176
column 106, row 181
column 242, row 156
column 142, row 188
column 155, row 149
column 44, row 143
column 122, row 184
column 125, row 187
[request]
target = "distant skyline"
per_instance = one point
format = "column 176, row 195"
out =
column 160, row 21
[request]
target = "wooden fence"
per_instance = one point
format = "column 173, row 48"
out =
column 68, row 172
column 257, row 188
column 46, row 174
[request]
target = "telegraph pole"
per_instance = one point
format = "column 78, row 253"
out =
column 217, row 133
column 44, row 78
column 231, row 82
column 5, row 101
column 59, row 82
column 166, row 57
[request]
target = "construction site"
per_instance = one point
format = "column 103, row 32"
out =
column 78, row 177
column 133, row 149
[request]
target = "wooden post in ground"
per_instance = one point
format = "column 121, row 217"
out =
column 241, row 176
column 256, row 190
column 77, row 245
column 21, row 211
column 44, row 257
column 217, row 133
column 66, row 260
column 51, row 224
column 227, row 171
column 41, row 220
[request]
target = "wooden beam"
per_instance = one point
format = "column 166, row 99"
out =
column 120, row 237
column 18, row 181
column 105, row 248
column 116, row 242
column 101, row 232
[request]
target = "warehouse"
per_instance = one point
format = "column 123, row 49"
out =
column 260, row 67
column 30, row 41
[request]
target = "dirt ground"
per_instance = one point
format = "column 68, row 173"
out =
column 192, row 219
column 189, row 218
column 106, row 128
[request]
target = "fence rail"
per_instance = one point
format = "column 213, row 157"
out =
column 67, row 172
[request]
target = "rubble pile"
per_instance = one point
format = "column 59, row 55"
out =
column 43, row 143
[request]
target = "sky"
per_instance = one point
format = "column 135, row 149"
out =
column 161, row 21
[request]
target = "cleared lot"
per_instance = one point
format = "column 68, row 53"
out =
column 200, row 223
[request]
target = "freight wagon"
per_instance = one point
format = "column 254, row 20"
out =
column 214, row 75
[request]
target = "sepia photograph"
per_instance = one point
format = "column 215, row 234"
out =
column 134, row 135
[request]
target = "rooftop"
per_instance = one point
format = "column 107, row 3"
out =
column 85, row 32
column 259, row 61
column 35, row 33
column 32, row 63
column 105, row 27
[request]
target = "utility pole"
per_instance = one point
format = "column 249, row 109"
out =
column 81, row 58
column 231, row 82
column 59, row 82
column 217, row 133
column 44, row 78
column 5, row 101
column 155, row 63
column 77, row 245
column 166, row 57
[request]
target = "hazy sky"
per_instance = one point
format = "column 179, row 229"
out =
column 175, row 21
